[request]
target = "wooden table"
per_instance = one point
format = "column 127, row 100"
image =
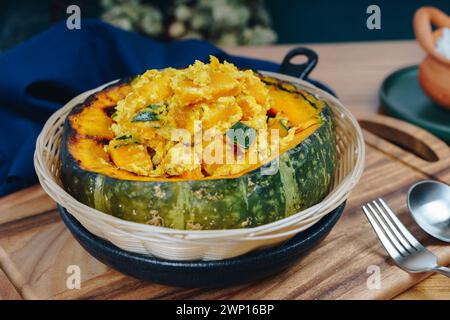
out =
column 355, row 71
column 7, row 290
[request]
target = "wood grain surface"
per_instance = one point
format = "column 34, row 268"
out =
column 36, row 248
column 7, row 289
column 39, row 248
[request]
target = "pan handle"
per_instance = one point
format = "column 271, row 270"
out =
column 299, row 70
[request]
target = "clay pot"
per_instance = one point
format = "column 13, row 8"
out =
column 434, row 71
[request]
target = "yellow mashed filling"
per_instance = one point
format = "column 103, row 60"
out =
column 176, row 123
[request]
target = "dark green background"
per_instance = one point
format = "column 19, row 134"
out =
column 333, row 21
column 294, row 21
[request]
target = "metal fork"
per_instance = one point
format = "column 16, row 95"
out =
column 401, row 245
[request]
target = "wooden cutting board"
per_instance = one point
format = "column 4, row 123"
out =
column 36, row 249
column 7, row 289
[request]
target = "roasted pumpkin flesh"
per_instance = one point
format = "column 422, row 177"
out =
column 206, row 121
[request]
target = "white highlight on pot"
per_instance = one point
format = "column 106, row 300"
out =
column 443, row 44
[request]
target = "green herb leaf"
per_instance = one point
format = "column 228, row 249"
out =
column 145, row 116
column 123, row 137
column 283, row 123
column 242, row 135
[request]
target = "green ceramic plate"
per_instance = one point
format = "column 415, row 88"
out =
column 401, row 96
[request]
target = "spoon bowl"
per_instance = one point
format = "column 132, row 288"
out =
column 429, row 204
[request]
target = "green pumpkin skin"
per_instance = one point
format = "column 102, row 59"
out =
column 303, row 179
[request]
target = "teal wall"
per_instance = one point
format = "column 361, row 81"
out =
column 345, row 20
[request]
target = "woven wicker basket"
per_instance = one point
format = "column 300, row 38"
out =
column 175, row 244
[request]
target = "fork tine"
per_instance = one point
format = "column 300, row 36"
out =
column 390, row 248
column 389, row 234
column 401, row 227
column 398, row 235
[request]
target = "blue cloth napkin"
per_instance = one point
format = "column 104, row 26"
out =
column 42, row 74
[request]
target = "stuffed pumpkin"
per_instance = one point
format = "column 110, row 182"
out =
column 206, row 147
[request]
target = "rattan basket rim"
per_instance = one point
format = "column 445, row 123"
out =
column 247, row 233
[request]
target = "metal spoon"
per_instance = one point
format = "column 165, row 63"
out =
column 429, row 204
